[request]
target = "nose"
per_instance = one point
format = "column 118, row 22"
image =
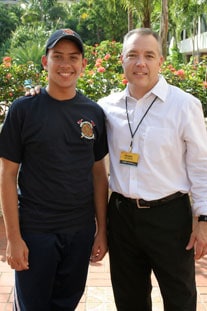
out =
column 65, row 62
column 140, row 61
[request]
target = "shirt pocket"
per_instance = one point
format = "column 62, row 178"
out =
column 158, row 143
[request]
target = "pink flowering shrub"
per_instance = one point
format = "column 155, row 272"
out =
column 191, row 77
column 12, row 79
column 102, row 75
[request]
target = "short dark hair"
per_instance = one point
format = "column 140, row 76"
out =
column 143, row 32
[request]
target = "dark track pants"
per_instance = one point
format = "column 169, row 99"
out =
column 58, row 271
column 146, row 240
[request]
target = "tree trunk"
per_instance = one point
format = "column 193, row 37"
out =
column 130, row 19
column 146, row 21
column 164, row 27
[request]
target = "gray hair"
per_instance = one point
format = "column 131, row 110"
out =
column 143, row 32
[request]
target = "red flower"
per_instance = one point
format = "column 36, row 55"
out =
column 124, row 81
column 7, row 59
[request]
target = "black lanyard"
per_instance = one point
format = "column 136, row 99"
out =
column 132, row 134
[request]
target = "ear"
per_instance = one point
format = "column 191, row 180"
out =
column 122, row 60
column 84, row 64
column 44, row 62
column 161, row 61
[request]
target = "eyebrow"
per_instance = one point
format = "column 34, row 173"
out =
column 150, row 52
column 69, row 53
column 136, row 52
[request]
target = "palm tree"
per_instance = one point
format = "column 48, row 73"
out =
column 164, row 26
column 144, row 9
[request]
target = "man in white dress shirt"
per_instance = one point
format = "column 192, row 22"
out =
column 158, row 156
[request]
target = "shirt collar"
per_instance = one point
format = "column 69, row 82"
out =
column 160, row 90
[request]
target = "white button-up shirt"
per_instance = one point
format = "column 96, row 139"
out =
column 171, row 142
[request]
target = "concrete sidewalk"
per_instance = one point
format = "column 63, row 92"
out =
column 98, row 294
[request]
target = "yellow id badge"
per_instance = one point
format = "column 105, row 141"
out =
column 129, row 158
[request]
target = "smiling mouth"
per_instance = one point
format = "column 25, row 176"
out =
column 140, row 73
column 65, row 74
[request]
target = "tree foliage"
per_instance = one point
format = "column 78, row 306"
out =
column 101, row 19
column 98, row 21
column 9, row 20
column 188, row 12
column 44, row 12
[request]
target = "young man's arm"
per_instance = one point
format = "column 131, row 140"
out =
column 17, row 251
column 101, row 200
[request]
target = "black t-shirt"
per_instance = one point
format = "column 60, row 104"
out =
column 56, row 144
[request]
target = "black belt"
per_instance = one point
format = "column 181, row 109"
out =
column 140, row 203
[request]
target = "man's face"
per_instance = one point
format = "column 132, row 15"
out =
column 64, row 63
column 141, row 61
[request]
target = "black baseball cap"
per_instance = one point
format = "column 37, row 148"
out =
column 64, row 34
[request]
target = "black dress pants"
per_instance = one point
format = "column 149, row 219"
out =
column 142, row 240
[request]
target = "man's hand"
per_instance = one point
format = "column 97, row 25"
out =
column 17, row 255
column 198, row 239
column 100, row 248
column 33, row 91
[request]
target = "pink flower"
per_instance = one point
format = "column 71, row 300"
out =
column 101, row 69
column 7, row 61
column 180, row 73
column 98, row 62
column 107, row 56
column 171, row 68
column 205, row 84
column 91, row 72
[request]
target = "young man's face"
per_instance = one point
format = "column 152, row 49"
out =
column 64, row 63
column 141, row 62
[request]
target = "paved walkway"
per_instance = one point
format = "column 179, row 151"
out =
column 98, row 295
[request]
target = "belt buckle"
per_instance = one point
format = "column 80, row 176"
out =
column 139, row 206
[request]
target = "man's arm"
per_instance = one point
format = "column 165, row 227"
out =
column 101, row 200
column 17, row 251
column 198, row 239
column 196, row 164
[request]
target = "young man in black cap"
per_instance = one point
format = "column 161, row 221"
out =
column 53, row 145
